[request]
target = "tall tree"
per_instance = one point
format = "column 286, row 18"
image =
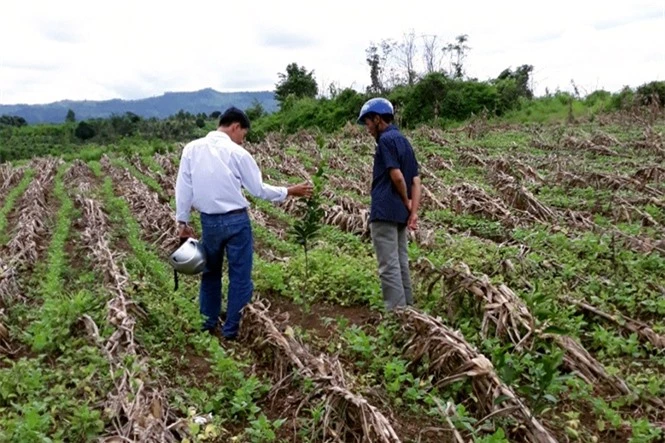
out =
column 375, row 69
column 381, row 75
column 457, row 52
column 296, row 81
column 522, row 77
column 431, row 53
column 406, row 53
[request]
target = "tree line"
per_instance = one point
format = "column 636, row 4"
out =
column 423, row 76
column 426, row 80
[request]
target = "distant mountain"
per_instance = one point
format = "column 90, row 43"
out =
column 206, row 100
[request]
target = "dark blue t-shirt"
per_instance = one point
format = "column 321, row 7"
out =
column 393, row 150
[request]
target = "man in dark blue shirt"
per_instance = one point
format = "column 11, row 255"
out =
column 395, row 201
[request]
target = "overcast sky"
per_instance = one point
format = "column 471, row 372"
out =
column 53, row 50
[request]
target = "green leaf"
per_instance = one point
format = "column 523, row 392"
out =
column 500, row 399
column 556, row 330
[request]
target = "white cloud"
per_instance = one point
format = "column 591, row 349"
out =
column 124, row 49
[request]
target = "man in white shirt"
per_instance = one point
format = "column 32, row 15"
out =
column 212, row 171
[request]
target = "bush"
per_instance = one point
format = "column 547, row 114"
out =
column 84, row 131
column 12, row 120
column 652, row 93
column 296, row 114
column 623, row 99
column 436, row 96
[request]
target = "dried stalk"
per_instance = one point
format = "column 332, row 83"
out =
column 603, row 181
column 631, row 325
column 166, row 182
column 503, row 310
column 344, row 183
column 9, row 177
column 623, row 210
column 581, row 363
column 655, row 174
column 469, row 199
column 137, row 407
column 518, row 196
column 470, row 159
column 167, row 163
column 429, row 200
column 434, row 135
column 348, row 416
column 516, row 168
column 5, row 346
column 439, row 163
column 450, row 358
column 28, row 241
column 347, row 214
column 651, row 141
column 574, row 143
column 511, row 320
column 30, row 227
column 156, row 219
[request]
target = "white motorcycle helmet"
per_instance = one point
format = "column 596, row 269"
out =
column 189, row 258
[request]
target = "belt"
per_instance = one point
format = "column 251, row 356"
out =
column 235, row 211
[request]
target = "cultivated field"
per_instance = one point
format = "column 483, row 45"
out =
column 539, row 273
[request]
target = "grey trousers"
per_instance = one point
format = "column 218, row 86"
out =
column 389, row 240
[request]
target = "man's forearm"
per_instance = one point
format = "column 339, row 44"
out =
column 400, row 184
column 183, row 201
column 416, row 191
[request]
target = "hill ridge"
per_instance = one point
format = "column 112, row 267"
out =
column 205, row 100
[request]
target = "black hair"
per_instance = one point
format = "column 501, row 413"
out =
column 387, row 118
column 234, row 115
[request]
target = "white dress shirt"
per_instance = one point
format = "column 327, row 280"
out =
column 212, row 171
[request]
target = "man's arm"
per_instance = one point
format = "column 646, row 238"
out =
column 415, row 194
column 400, row 184
column 252, row 180
column 416, row 190
column 183, row 190
column 183, row 199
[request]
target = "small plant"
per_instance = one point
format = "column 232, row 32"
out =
column 263, row 430
column 307, row 229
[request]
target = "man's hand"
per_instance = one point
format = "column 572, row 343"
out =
column 185, row 231
column 412, row 223
column 300, row 190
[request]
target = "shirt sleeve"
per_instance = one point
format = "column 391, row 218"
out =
column 183, row 189
column 252, row 180
column 416, row 165
column 388, row 152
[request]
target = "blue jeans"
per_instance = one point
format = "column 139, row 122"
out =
column 232, row 234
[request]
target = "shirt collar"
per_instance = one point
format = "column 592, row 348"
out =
column 390, row 127
column 218, row 134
